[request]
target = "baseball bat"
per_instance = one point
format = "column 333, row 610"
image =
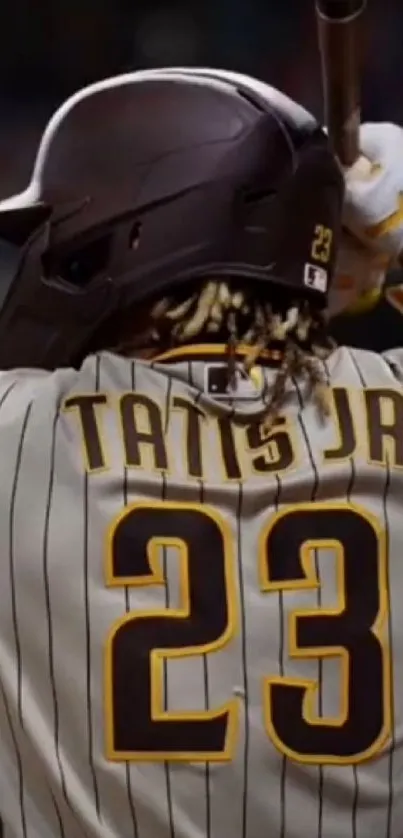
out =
column 340, row 42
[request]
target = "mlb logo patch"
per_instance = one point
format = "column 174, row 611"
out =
column 246, row 387
column 316, row 278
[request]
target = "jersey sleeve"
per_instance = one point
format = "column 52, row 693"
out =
column 394, row 360
column 26, row 382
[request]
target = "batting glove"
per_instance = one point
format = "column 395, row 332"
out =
column 374, row 191
column 359, row 278
column 372, row 240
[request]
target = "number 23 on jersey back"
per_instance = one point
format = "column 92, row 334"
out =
column 138, row 725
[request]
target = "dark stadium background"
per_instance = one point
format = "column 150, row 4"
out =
column 50, row 48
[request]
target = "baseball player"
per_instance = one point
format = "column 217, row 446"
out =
column 201, row 631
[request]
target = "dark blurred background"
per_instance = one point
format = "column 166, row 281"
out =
column 50, row 49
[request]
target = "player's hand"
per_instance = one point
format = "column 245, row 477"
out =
column 372, row 241
column 374, row 191
column 359, row 278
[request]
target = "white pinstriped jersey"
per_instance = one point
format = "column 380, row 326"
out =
column 201, row 625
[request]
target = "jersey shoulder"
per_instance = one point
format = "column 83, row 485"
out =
column 20, row 388
column 45, row 391
column 394, row 359
column 365, row 368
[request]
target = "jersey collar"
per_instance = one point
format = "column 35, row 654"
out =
column 217, row 351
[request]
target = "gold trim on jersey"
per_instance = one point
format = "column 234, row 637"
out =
column 89, row 409
column 347, row 441
column 191, row 438
column 279, row 451
column 141, row 430
column 369, row 621
column 378, row 629
column 383, row 409
column 230, row 443
column 158, row 657
column 207, row 351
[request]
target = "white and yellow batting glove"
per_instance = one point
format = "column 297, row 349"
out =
column 359, row 278
column 373, row 209
column 373, row 220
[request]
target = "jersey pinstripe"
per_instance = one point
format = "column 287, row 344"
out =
column 69, row 470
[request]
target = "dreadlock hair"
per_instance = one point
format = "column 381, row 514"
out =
column 232, row 312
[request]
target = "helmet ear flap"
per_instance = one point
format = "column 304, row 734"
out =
column 18, row 224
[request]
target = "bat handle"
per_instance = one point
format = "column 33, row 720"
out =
column 344, row 131
column 341, row 65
